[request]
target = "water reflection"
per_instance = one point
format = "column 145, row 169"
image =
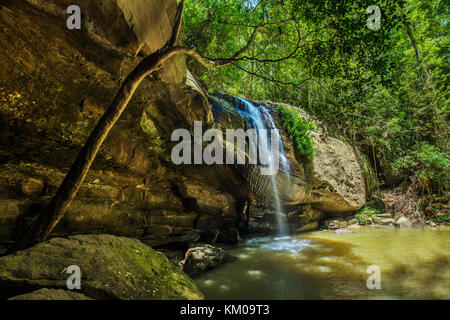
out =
column 325, row 265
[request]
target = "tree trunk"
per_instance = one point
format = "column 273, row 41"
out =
column 65, row 194
column 55, row 210
column 252, row 70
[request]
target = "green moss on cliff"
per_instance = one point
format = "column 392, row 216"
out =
column 297, row 128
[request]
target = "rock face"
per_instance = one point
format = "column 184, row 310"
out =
column 337, row 183
column 111, row 268
column 56, row 83
column 331, row 184
column 51, row 294
column 54, row 86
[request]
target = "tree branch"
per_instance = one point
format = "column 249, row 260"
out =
column 270, row 79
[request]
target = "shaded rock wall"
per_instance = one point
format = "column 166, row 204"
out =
column 54, row 86
column 56, row 83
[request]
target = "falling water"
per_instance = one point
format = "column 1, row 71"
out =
column 255, row 117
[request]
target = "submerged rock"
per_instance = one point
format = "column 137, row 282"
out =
column 111, row 268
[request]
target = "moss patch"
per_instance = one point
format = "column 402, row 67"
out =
column 297, row 128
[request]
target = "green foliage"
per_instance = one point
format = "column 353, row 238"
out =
column 441, row 219
column 315, row 37
column 430, row 164
column 385, row 91
column 370, row 209
column 297, row 128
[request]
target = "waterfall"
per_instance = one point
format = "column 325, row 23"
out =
column 258, row 117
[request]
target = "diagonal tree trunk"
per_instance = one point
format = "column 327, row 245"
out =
column 55, row 210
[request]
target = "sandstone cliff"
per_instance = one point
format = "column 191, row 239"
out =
column 55, row 84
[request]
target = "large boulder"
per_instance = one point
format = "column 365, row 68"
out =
column 111, row 267
column 336, row 182
column 201, row 257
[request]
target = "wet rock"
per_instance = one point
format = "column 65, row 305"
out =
column 229, row 236
column 364, row 220
column 402, row 222
column 353, row 221
column 387, row 221
column 51, row 294
column 111, row 268
column 202, row 257
column 335, row 224
column 376, row 220
column 308, row 227
column 383, row 215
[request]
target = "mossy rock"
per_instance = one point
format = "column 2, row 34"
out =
column 111, row 268
column 364, row 219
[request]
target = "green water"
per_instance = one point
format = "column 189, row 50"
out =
column 414, row 264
